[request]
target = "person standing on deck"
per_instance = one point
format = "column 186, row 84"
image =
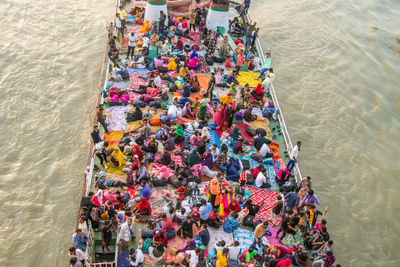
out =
column 269, row 79
column 80, row 239
column 113, row 55
column 124, row 235
column 161, row 24
column 110, row 29
column 118, row 25
column 293, row 156
column 100, row 117
column 211, row 85
column 249, row 33
column 192, row 20
column 240, row 61
column 245, row 7
column 132, row 37
column 95, row 135
column 122, row 15
column 202, row 28
column 267, row 64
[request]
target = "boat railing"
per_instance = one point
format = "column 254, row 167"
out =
column 281, row 120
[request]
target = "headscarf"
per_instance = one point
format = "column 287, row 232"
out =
column 172, row 64
column 259, row 90
column 179, row 131
column 214, row 187
column 143, row 205
column 194, row 54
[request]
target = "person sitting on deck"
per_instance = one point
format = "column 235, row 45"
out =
column 80, row 239
column 238, row 147
column 262, row 179
column 136, row 257
column 142, row 207
column 146, row 190
column 187, row 228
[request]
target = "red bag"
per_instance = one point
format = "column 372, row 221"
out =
column 228, row 63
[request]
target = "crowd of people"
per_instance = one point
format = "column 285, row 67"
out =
column 191, row 139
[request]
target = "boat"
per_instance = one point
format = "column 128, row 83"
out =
column 277, row 130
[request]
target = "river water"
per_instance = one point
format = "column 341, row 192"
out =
column 337, row 66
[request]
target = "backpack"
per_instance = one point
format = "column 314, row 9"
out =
column 248, row 220
column 209, row 61
column 171, row 233
column 124, row 74
column 160, row 182
column 230, row 225
column 250, row 131
column 245, row 164
column 148, row 234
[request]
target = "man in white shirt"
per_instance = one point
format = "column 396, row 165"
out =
column 234, row 251
column 194, row 258
column 269, row 79
column 78, row 254
column 132, row 37
column 125, row 233
column 293, row 156
column 261, row 180
column 136, row 257
column 265, row 151
column 118, row 25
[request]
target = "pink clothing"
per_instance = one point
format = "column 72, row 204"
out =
column 168, row 224
column 218, row 78
column 193, row 63
column 240, row 60
column 158, row 62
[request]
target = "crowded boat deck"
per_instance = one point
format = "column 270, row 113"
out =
column 191, row 163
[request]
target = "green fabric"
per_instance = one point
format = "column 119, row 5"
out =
column 202, row 113
column 267, row 61
column 194, row 158
column 179, row 131
column 235, row 133
column 250, row 255
column 233, row 90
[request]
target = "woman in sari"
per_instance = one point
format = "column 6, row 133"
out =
column 117, row 158
column 203, row 107
column 187, row 111
column 172, row 65
column 142, row 207
column 219, row 116
column 195, row 84
column 179, row 134
column 215, row 193
column 258, row 92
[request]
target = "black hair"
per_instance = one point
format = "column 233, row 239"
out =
column 330, row 242
column 323, row 221
column 279, row 197
column 225, row 250
column 298, row 142
column 329, row 253
column 72, row 249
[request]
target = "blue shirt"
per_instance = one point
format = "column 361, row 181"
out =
column 80, row 242
column 205, row 237
column 206, row 211
column 146, row 192
column 231, row 78
column 292, row 199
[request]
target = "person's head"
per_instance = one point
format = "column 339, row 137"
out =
column 311, row 192
column 221, row 243
column 73, row 260
column 234, row 215
column 79, row 232
column 120, row 7
column 323, row 222
column 265, row 224
column 204, row 226
column 225, row 251
column 142, row 183
column 308, row 178
column 91, row 194
column 111, row 23
column 290, row 213
column 132, row 252
column 329, row 253
column 323, row 229
column 299, row 144
column 72, row 250
column 96, row 128
column 279, row 197
column 312, row 207
column 271, row 70
column 129, row 221
column 189, row 218
column 161, row 12
column 330, row 243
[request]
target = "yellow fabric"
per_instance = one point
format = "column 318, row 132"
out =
column 222, row 261
column 172, row 64
column 119, row 156
column 248, row 77
column 113, row 138
column 226, row 99
column 264, row 124
column 146, row 27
